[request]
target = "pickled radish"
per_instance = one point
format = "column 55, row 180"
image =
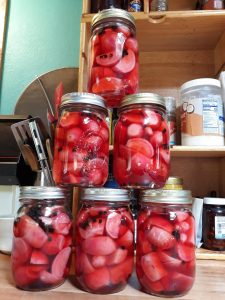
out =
column 126, row 63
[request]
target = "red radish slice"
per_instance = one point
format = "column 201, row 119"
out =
column 107, row 85
column 102, row 245
column 126, row 63
column 38, row 258
column 99, row 261
column 60, row 262
column 113, row 223
column 108, row 59
column 139, row 145
column 135, row 130
column 185, row 252
column 152, row 267
column 117, row 257
column 121, row 272
column 98, row 279
column 21, row 251
column 54, row 244
column 126, row 240
column 49, row 278
column 161, row 238
column 131, row 43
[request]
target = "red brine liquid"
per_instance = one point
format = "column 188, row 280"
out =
column 81, row 149
column 165, row 262
column 41, row 248
column 113, row 63
column 141, row 149
column 104, row 248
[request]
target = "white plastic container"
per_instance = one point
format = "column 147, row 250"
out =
column 202, row 114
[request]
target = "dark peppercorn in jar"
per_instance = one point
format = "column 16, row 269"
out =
column 213, row 224
column 104, row 241
column 42, row 238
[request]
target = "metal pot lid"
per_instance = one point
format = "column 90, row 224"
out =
column 112, row 13
column 105, row 194
column 143, row 98
column 83, row 98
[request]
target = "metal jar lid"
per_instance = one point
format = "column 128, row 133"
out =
column 167, row 196
column 104, row 194
column 112, row 13
column 143, row 98
column 174, row 180
column 42, row 192
column 83, row 98
column 214, row 201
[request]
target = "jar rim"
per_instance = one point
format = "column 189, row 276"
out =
column 77, row 98
column 42, row 192
column 167, row 196
column 105, row 194
column 112, row 13
column 214, row 201
column 143, row 98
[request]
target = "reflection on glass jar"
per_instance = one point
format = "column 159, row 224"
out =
column 113, row 56
column 165, row 257
column 104, row 241
column 141, row 155
column 213, row 224
column 81, row 147
column 42, row 239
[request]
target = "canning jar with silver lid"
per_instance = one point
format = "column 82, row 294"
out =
column 165, row 254
column 42, row 238
column 141, row 154
column 113, row 56
column 81, row 147
column 104, row 234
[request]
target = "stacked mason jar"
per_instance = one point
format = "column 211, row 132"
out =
column 104, row 227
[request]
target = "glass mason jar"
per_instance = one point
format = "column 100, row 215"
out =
column 104, row 241
column 213, row 220
column 141, row 156
column 113, row 56
column 42, row 238
column 165, row 257
column 81, row 147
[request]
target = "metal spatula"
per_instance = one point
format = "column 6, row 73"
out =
column 33, row 133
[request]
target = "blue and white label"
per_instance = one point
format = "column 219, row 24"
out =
column 220, row 228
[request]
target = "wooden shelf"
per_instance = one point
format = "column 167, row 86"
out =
column 197, row 151
column 177, row 30
column 205, row 254
column 209, row 281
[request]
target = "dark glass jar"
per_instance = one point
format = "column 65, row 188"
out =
column 165, row 254
column 141, row 155
column 42, row 239
column 97, row 5
column 81, row 147
column 113, row 56
column 213, row 224
column 104, row 241
column 213, row 4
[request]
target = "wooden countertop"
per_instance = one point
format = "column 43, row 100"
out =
column 209, row 285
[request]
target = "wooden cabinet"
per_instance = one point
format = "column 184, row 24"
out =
column 176, row 46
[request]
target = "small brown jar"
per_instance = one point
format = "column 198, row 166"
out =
column 213, row 224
